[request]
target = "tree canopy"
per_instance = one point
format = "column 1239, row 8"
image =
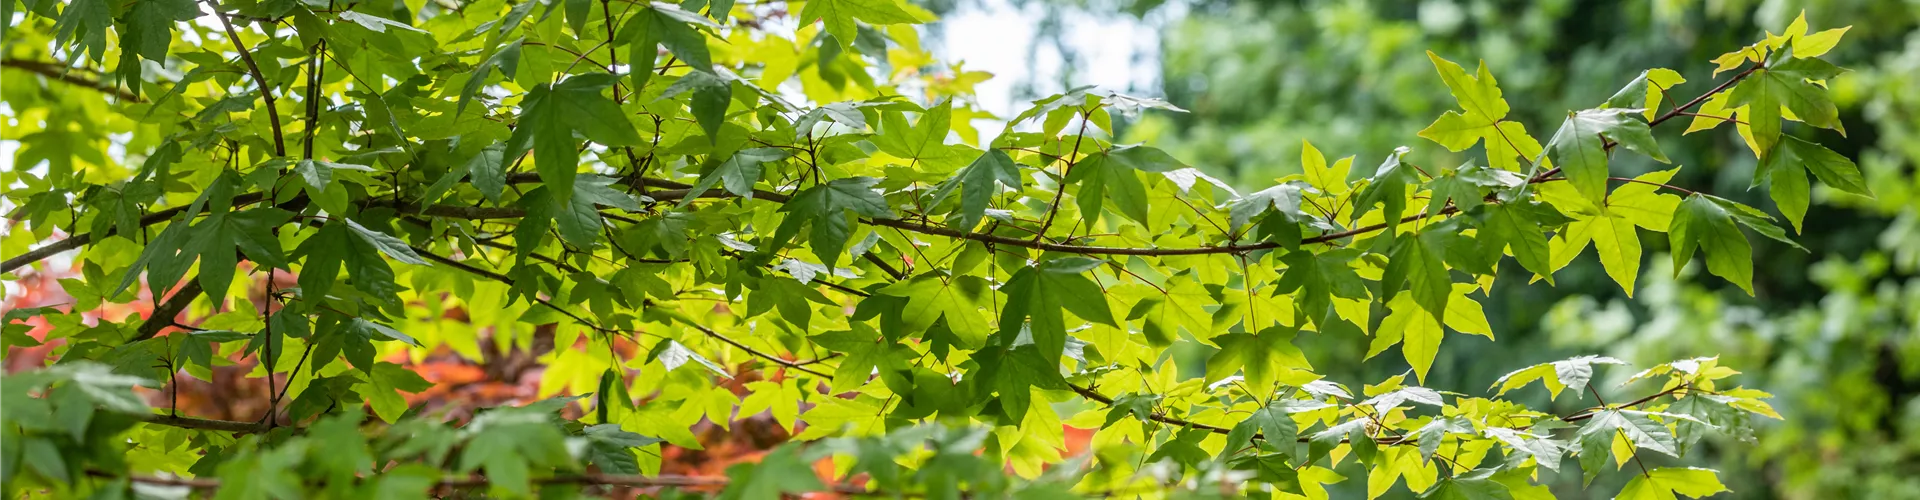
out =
column 714, row 210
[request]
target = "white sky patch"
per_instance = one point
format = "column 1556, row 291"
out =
column 1117, row 52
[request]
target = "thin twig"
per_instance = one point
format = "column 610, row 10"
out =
column 266, row 90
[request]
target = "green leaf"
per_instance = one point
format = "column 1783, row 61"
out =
column 1580, row 146
column 1476, row 485
column 1547, row 452
column 673, row 355
column 551, row 117
column 509, row 442
column 1273, row 423
column 388, row 245
column 977, row 183
column 1184, row 303
column 665, row 24
column 1283, row 199
column 956, row 299
column 506, row 60
column 829, row 208
column 384, row 380
column 1388, row 186
column 839, row 15
column 1037, row 295
column 1417, row 330
column 1482, row 118
column 1418, row 261
column 611, row 449
column 216, row 238
column 1787, row 165
column 579, row 221
column 925, row 140
column 372, row 329
column 1643, row 203
column 10, row 458
column 1101, row 179
column 43, row 455
column 376, row 24
column 1140, row 406
column 1646, row 91
column 488, row 171
column 340, row 450
column 89, row 20
column 335, row 247
column 1143, row 158
column 1616, row 241
column 1596, row 436
column 266, row 473
column 737, row 174
column 1572, row 373
column 147, row 31
column 712, row 94
column 779, row 473
column 1318, row 278
column 1786, row 84
column 1262, row 356
column 1184, row 449
column 1515, row 226
column 1478, row 96
column 1666, row 482
column 867, row 353
column 1701, row 224
column 1755, row 220
column 1463, row 187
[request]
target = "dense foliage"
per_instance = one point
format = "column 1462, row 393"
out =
column 715, row 210
column 1832, row 330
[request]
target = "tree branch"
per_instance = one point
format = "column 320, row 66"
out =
column 1682, row 109
column 674, row 190
column 266, row 90
column 704, row 330
column 473, row 481
column 61, row 72
column 1060, row 192
column 755, row 352
column 1670, row 114
column 82, row 239
column 205, row 424
column 162, row 316
column 1091, row 394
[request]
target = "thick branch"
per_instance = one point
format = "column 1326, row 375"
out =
column 205, row 424
column 59, row 72
column 82, row 239
column 1091, row 394
column 162, row 316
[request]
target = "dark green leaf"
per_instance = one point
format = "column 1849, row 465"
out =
column 1702, row 224
column 977, row 183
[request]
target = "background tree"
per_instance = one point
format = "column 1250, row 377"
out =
column 1255, row 77
column 690, row 216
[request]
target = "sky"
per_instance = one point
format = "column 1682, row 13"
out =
column 1117, row 52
